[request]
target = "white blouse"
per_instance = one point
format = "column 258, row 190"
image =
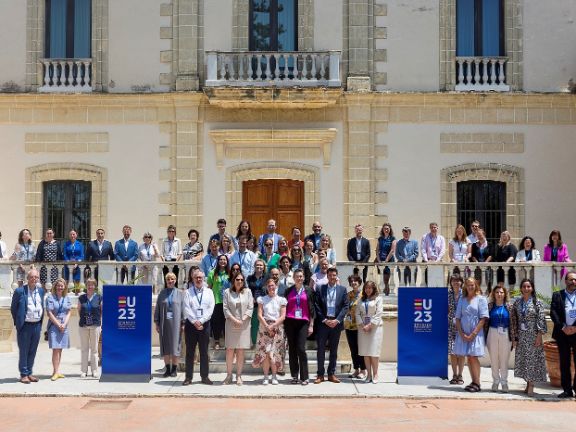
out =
column 271, row 306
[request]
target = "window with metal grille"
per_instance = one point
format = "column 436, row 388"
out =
column 66, row 207
column 484, row 201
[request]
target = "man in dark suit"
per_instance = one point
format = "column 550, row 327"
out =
column 563, row 314
column 331, row 304
column 316, row 235
column 27, row 310
column 99, row 250
column 358, row 250
column 126, row 249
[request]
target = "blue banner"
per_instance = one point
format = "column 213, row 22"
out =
column 126, row 333
column 423, row 332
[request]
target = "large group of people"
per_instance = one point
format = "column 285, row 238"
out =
column 271, row 294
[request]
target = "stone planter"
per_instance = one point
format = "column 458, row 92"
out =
column 553, row 363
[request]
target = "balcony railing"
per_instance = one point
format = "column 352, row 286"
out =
column 273, row 69
column 546, row 276
column 481, row 74
column 66, row 76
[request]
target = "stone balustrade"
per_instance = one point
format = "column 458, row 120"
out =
column 481, row 74
column 66, row 76
column 273, row 69
column 547, row 276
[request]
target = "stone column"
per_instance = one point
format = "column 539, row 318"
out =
column 360, row 23
column 187, row 42
column 359, row 165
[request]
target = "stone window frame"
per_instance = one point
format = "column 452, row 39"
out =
column 513, row 29
column 309, row 174
column 240, row 25
column 511, row 175
column 36, row 30
column 33, row 195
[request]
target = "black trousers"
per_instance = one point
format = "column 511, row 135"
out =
column 567, row 349
column 194, row 337
column 218, row 321
column 332, row 336
column 357, row 360
column 297, row 332
column 174, row 269
column 124, row 273
column 356, row 271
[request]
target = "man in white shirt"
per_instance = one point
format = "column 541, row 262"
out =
column 474, row 227
column 171, row 251
column 198, row 309
column 244, row 257
column 433, row 247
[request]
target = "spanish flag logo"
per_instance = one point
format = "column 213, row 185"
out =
column 418, row 305
column 122, row 301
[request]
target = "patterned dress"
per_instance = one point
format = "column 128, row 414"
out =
column 452, row 332
column 50, row 255
column 270, row 344
column 530, row 363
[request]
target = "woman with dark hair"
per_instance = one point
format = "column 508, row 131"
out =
column 556, row 250
column 256, row 284
column 471, row 313
column 244, row 229
column 351, row 327
column 234, row 268
column 48, row 251
column 505, row 253
column 369, row 321
column 238, row 308
column 218, row 280
column 385, row 251
column 24, row 251
column 527, row 333
column 270, row 257
column 193, row 250
column 527, row 251
column 286, row 279
column 298, row 325
column 481, row 251
column 499, row 336
column 454, row 295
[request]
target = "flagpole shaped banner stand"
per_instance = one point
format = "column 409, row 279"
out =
column 422, row 335
column 126, row 333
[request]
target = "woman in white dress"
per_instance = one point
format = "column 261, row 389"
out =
column 148, row 252
column 369, row 320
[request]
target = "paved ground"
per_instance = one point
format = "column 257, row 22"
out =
column 73, row 385
column 203, row 414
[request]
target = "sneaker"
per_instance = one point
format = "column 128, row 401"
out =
column 83, row 375
column 304, row 383
column 265, row 381
column 274, row 381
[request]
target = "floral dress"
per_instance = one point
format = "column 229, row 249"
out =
column 530, row 362
column 452, row 331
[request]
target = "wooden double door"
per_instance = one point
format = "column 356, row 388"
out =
column 278, row 199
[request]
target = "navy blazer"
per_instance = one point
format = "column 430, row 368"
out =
column 126, row 255
column 558, row 315
column 93, row 252
column 364, row 250
column 342, row 303
column 19, row 305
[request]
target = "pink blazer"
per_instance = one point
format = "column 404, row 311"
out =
column 563, row 255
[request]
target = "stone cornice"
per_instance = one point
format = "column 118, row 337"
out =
column 277, row 138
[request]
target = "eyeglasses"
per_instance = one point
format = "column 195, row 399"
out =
column 269, row 244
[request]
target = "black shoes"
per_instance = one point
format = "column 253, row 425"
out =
column 565, row 395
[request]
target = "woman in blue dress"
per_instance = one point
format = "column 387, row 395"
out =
column 58, row 306
column 385, row 251
column 471, row 313
column 73, row 251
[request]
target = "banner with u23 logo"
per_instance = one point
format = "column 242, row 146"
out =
column 423, row 332
column 126, row 332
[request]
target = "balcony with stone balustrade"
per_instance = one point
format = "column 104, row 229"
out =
column 66, row 76
column 481, row 74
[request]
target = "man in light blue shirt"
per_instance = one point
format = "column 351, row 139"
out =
column 407, row 252
column 244, row 257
